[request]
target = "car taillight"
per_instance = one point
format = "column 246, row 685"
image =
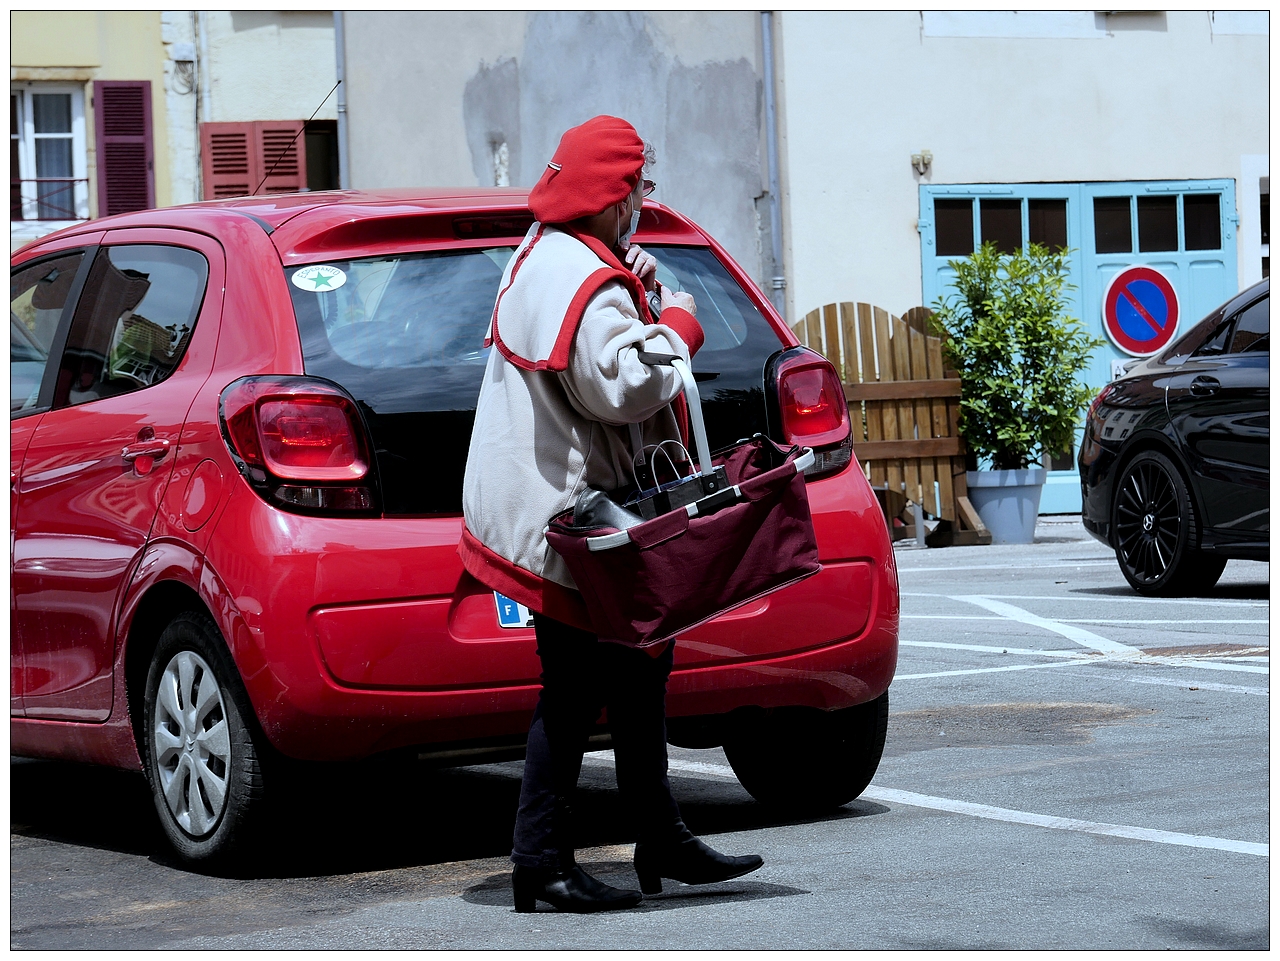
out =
column 812, row 410
column 300, row 442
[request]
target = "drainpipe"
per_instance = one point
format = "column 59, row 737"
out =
column 340, row 48
column 202, row 65
column 778, row 283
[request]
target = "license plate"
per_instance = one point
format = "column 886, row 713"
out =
column 511, row 614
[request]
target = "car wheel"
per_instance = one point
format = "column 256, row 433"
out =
column 1155, row 531
column 805, row 760
column 202, row 756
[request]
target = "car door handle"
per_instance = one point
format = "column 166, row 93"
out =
column 154, row 448
column 1203, row 386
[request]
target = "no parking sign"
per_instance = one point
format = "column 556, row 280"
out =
column 1140, row 311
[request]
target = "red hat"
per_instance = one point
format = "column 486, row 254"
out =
column 596, row 164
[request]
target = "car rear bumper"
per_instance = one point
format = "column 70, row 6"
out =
column 348, row 649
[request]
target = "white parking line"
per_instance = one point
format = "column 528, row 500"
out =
column 990, row 650
column 1197, row 663
column 1083, row 562
column 1090, row 620
column 1165, row 620
column 988, row 670
column 1107, row 598
column 987, row 811
column 1078, row 634
column 1114, row 650
column 1202, row 685
column 1065, row 824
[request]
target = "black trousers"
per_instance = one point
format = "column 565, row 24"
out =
column 581, row 675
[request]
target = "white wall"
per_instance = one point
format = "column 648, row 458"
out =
column 1141, row 97
column 269, row 65
column 181, row 96
column 440, row 98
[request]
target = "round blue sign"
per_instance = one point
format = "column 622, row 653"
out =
column 1140, row 311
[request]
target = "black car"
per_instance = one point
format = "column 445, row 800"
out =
column 1174, row 466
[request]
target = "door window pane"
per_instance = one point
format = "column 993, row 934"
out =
column 51, row 112
column 1112, row 229
column 1252, row 327
column 1216, row 342
column 132, row 323
column 1157, row 223
column 1047, row 223
column 1202, row 221
column 37, row 295
column 1002, row 224
column 15, row 158
column 953, row 227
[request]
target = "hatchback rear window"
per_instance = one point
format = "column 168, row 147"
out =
column 404, row 335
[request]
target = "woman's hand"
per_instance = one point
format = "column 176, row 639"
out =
column 643, row 265
column 678, row 298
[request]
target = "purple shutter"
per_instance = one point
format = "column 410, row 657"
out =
column 126, row 157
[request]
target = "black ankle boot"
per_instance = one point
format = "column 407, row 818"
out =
column 567, row 889
column 685, row 858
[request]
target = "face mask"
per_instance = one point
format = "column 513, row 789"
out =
column 624, row 238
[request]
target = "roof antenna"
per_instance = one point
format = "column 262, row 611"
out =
column 294, row 140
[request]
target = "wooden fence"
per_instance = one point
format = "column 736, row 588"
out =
column 905, row 408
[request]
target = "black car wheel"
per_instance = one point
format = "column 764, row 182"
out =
column 1154, row 521
column 202, row 748
column 805, row 760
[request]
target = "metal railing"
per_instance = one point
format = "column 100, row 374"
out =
column 47, row 198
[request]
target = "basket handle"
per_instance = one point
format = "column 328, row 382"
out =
column 692, row 400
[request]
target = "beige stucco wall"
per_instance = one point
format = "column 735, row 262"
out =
column 269, row 65
column 864, row 91
column 406, row 73
column 83, row 46
column 435, row 98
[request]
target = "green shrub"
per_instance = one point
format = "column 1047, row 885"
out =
column 1007, row 331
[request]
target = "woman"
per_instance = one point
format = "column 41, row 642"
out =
column 560, row 391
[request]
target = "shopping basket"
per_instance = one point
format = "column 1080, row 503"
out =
column 749, row 536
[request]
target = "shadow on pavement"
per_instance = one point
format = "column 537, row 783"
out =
column 495, row 891
column 353, row 818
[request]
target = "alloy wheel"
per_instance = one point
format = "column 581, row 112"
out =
column 1148, row 521
column 192, row 744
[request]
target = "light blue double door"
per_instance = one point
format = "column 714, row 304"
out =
column 1185, row 229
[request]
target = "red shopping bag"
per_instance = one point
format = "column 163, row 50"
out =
column 644, row 585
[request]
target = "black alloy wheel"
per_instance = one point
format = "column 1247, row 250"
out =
column 1155, row 531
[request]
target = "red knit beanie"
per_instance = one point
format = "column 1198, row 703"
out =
column 596, row 164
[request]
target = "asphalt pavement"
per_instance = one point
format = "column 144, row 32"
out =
column 1068, row 766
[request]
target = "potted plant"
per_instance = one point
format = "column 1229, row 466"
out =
column 1019, row 354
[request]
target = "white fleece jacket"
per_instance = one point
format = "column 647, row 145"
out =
column 542, row 435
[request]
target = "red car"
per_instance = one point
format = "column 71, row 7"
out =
column 238, row 436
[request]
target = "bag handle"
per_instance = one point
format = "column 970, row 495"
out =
column 692, row 401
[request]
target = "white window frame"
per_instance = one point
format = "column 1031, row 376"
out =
column 27, row 149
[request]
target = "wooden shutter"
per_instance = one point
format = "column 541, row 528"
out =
column 228, row 160
column 282, row 151
column 236, row 157
column 126, row 159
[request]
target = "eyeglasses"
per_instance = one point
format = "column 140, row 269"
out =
column 647, row 187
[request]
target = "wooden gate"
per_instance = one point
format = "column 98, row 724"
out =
column 905, row 409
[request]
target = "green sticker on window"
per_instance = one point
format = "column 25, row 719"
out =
column 319, row 277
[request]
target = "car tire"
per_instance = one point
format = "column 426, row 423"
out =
column 807, row 761
column 1154, row 520
column 202, row 745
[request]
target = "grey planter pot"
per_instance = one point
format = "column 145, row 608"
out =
column 1008, row 502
